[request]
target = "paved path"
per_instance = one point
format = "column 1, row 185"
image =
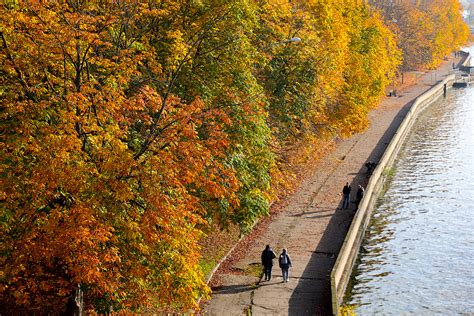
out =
column 312, row 225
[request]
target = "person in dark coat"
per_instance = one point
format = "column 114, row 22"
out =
column 346, row 192
column 359, row 195
column 267, row 261
column 285, row 263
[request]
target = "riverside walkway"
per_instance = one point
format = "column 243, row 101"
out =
column 311, row 224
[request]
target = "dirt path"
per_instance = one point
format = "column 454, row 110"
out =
column 312, row 224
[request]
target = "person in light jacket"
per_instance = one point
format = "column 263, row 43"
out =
column 284, row 261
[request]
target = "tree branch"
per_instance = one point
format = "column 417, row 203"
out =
column 29, row 94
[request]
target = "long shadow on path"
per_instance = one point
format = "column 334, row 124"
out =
column 312, row 295
column 237, row 288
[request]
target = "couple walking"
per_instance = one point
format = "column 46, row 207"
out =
column 346, row 192
column 284, row 262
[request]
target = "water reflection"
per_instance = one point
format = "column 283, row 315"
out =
column 418, row 255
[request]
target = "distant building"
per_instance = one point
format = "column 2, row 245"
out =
column 469, row 15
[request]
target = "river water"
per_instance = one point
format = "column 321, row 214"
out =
column 418, row 254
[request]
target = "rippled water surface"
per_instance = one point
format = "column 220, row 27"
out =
column 418, row 256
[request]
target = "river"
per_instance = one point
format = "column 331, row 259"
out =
column 418, row 254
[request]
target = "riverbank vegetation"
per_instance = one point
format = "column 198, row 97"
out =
column 130, row 128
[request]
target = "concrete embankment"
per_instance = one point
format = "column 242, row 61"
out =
column 345, row 261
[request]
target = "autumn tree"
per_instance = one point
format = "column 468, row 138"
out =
column 322, row 87
column 101, row 176
column 204, row 52
column 128, row 127
column 426, row 30
column 450, row 31
column 372, row 64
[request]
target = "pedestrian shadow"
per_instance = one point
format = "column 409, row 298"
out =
column 322, row 210
column 312, row 294
column 319, row 216
column 238, row 288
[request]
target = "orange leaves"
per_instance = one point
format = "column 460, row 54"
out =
column 128, row 126
column 450, row 33
column 83, row 207
column 426, row 31
column 146, row 100
column 373, row 60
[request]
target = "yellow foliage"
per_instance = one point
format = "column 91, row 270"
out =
column 128, row 127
